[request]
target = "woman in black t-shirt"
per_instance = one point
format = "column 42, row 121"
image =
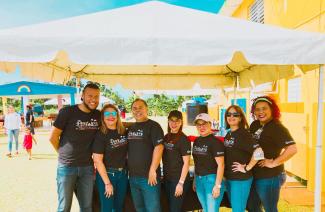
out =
column 208, row 154
column 176, row 161
column 109, row 154
column 239, row 159
column 278, row 146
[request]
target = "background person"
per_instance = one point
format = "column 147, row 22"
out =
column 208, row 154
column 176, row 161
column 145, row 149
column 28, row 142
column 278, row 146
column 109, row 154
column 12, row 124
column 72, row 136
column 30, row 119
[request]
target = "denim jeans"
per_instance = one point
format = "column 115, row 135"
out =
column 238, row 192
column 13, row 134
column 268, row 193
column 75, row 179
column 204, row 186
column 146, row 198
column 175, row 203
column 119, row 180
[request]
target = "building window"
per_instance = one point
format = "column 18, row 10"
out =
column 294, row 90
column 256, row 11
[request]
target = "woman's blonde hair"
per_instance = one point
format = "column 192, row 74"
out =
column 119, row 125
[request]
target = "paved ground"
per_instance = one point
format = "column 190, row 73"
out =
column 30, row 186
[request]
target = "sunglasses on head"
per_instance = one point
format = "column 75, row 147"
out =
column 107, row 113
column 236, row 114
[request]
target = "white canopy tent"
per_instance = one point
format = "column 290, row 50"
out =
column 159, row 46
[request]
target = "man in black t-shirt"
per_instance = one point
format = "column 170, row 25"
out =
column 29, row 119
column 145, row 151
column 73, row 133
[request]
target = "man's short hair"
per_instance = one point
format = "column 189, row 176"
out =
column 139, row 100
column 91, row 85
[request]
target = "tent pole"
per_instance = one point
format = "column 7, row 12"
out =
column 318, row 167
column 235, row 89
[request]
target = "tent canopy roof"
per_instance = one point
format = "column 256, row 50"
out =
column 164, row 45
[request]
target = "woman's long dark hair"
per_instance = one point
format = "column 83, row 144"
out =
column 243, row 122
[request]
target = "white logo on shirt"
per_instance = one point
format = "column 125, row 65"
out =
column 136, row 135
column 229, row 142
column 169, row 146
column 200, row 150
column 159, row 141
column 258, row 133
column 87, row 125
column 118, row 142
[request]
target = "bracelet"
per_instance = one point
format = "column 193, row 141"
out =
column 245, row 169
column 107, row 184
column 181, row 182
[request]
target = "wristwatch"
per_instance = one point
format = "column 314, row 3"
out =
column 181, row 182
column 218, row 185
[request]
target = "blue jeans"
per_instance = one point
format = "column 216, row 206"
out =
column 238, row 192
column 204, row 186
column 75, row 179
column 13, row 134
column 146, row 198
column 268, row 193
column 175, row 203
column 119, row 180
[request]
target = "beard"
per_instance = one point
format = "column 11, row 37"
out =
column 87, row 106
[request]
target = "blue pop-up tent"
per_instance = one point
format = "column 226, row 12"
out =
column 25, row 88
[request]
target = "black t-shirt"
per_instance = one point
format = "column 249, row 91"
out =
column 239, row 147
column 78, row 132
column 205, row 149
column 113, row 146
column 272, row 138
column 143, row 137
column 29, row 117
column 176, row 146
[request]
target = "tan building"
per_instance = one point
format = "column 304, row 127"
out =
column 297, row 95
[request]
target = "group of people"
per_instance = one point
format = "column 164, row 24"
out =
column 12, row 126
column 248, row 164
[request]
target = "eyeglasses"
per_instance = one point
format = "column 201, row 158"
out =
column 203, row 124
column 233, row 114
column 174, row 120
column 107, row 113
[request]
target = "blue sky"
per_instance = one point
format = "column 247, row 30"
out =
column 15, row 13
